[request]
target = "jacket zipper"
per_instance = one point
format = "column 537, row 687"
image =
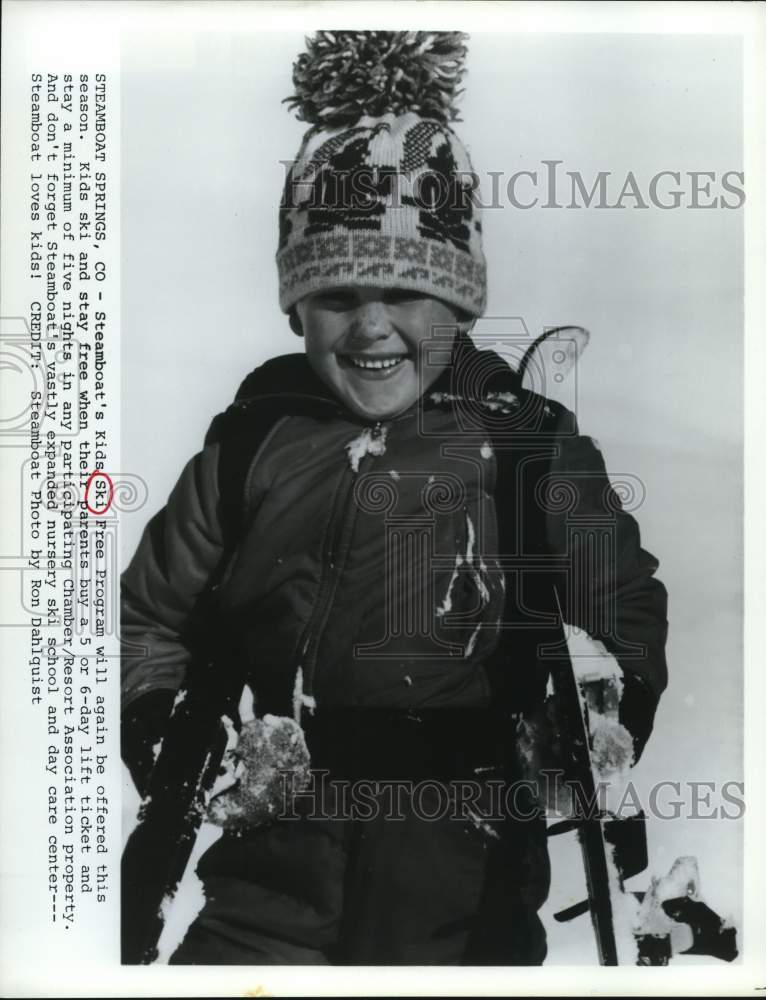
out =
column 334, row 553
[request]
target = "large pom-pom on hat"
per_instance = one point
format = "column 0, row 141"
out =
column 345, row 75
column 381, row 193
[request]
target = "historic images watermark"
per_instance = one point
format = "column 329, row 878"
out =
column 493, row 800
column 549, row 185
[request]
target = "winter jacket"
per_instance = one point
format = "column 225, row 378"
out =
column 401, row 589
column 424, row 562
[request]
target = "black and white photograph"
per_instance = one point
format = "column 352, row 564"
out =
column 392, row 528
column 407, row 515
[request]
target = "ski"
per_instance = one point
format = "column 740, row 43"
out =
column 158, row 850
column 586, row 820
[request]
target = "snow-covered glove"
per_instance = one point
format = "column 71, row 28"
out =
column 143, row 725
column 611, row 751
column 250, row 790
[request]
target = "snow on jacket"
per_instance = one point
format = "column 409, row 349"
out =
column 424, row 561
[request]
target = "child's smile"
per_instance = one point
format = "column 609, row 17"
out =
column 374, row 366
column 364, row 343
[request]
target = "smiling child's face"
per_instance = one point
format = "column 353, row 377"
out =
column 364, row 343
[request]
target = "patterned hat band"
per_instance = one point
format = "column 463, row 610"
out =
column 386, row 203
column 360, row 260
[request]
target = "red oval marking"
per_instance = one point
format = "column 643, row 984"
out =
column 91, row 477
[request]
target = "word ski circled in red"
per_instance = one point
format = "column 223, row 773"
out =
column 110, row 496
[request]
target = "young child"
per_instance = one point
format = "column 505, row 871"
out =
column 381, row 520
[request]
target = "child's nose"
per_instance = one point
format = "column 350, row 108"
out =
column 372, row 321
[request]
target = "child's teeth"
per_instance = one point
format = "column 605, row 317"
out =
column 379, row 363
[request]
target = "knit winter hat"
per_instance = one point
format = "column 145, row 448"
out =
column 380, row 193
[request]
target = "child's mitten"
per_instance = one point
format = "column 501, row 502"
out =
column 266, row 761
column 611, row 746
